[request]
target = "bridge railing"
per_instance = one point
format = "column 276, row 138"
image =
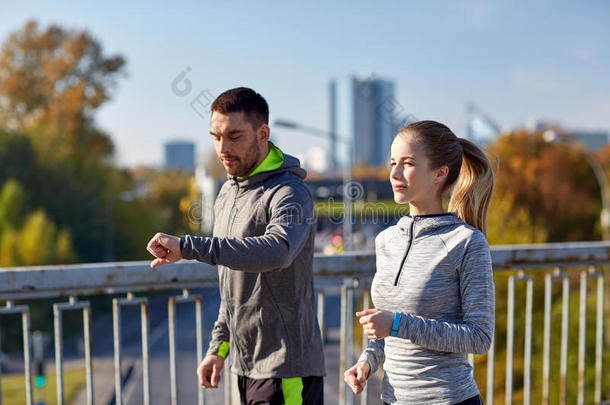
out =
column 566, row 265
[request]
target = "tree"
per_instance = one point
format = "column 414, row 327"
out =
column 545, row 180
column 18, row 159
column 52, row 81
column 37, row 242
column 12, row 205
column 166, row 191
column 9, row 241
column 508, row 224
column 190, row 207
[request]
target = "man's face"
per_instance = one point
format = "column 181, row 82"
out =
column 238, row 144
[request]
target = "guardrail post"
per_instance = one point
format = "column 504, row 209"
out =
column 491, row 358
column 320, row 313
column 72, row 304
column 510, row 331
column 346, row 345
column 582, row 334
column 116, row 311
column 546, row 350
column 186, row 297
column 364, row 395
column 24, row 310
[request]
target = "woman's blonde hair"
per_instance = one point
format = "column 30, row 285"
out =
column 469, row 169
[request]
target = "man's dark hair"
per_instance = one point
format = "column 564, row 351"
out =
column 244, row 99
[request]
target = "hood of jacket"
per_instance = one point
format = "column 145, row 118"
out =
column 423, row 224
column 290, row 164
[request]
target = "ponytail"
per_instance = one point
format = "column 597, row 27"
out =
column 472, row 192
column 469, row 170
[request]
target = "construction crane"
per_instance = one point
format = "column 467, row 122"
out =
column 480, row 127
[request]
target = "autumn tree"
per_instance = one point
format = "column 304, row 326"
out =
column 552, row 184
column 603, row 157
column 51, row 83
column 509, row 223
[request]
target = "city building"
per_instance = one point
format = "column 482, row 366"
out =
column 315, row 159
column 363, row 113
column 593, row 140
column 180, row 155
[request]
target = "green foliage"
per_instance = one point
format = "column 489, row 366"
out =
column 37, row 242
column 17, row 159
column 41, row 243
column 507, row 224
column 62, row 199
column 368, row 209
column 9, row 241
column 54, row 81
column 135, row 223
column 166, row 190
column 64, row 251
column 12, row 204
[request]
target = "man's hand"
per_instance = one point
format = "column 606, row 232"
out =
column 166, row 249
column 356, row 376
column 376, row 323
column 209, row 371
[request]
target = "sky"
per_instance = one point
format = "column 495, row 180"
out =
column 516, row 61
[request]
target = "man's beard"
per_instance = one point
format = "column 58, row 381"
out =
column 247, row 166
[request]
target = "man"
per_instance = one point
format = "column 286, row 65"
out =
column 263, row 245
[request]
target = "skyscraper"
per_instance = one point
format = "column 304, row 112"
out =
column 180, row 155
column 363, row 111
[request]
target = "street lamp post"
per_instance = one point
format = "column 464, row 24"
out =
column 346, row 175
column 551, row 136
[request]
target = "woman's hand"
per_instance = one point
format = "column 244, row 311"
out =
column 376, row 323
column 356, row 376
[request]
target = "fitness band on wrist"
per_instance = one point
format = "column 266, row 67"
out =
column 396, row 324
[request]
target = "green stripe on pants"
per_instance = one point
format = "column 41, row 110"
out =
column 292, row 389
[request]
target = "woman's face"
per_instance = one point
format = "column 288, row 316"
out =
column 413, row 181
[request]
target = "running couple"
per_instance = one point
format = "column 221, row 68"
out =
column 433, row 289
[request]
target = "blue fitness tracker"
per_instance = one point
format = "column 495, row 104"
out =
column 396, row 324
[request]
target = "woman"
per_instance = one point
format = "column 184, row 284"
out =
column 433, row 289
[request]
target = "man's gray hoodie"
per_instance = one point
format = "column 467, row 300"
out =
column 263, row 245
column 436, row 271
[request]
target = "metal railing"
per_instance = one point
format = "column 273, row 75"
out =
column 357, row 269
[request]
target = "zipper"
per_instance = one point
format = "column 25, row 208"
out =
column 404, row 258
column 231, row 214
column 227, row 234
